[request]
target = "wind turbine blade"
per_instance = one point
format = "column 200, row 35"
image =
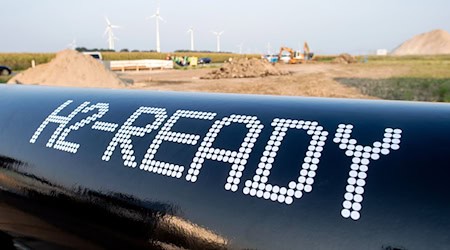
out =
column 106, row 31
column 162, row 19
column 107, row 20
column 116, row 26
column 220, row 33
column 153, row 16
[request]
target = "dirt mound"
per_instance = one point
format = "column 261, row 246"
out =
column 70, row 68
column 245, row 68
column 431, row 43
column 344, row 59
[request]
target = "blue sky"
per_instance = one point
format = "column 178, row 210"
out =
column 329, row 26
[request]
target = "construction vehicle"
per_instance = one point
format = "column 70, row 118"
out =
column 295, row 56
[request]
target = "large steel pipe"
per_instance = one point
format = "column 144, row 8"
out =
column 89, row 168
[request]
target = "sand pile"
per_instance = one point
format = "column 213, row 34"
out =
column 432, row 43
column 245, row 68
column 344, row 59
column 70, row 68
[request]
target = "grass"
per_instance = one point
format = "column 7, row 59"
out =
column 4, row 79
column 419, row 78
column 413, row 78
column 215, row 57
column 403, row 88
column 22, row 61
column 430, row 59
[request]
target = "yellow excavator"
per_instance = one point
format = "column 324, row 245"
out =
column 296, row 56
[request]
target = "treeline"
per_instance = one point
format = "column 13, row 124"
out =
column 84, row 49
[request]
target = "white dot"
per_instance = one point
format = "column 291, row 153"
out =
column 348, row 196
column 358, row 198
column 351, row 181
column 356, row 206
column 355, row 215
column 290, row 192
column 288, row 200
column 273, row 197
column 375, row 156
column 365, row 162
column 345, row 213
column 347, row 204
column 362, row 175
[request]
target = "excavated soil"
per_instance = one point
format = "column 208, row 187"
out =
column 316, row 79
column 344, row 59
column 245, row 68
column 70, row 68
column 435, row 42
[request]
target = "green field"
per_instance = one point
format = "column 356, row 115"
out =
column 4, row 79
column 419, row 78
column 22, row 61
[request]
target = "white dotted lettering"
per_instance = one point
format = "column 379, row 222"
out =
column 361, row 157
column 307, row 172
column 165, row 134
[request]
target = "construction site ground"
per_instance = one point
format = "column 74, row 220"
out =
column 316, row 79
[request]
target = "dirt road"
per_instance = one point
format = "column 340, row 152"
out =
column 305, row 80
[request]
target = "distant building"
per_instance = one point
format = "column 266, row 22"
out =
column 382, row 52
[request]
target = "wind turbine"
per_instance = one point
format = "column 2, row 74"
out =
column 109, row 31
column 240, row 47
column 218, row 34
column 157, row 17
column 191, row 31
column 269, row 48
column 72, row 45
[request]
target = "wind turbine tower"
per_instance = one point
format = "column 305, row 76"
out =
column 269, row 49
column 191, row 31
column 218, row 34
column 240, row 46
column 109, row 31
column 72, row 45
column 157, row 17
